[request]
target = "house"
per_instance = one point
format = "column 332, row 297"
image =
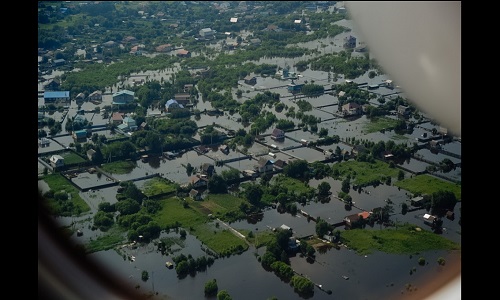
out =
column 123, row 97
column 117, row 118
column 280, row 163
column 359, row 149
column 293, row 243
column 207, row 169
column 43, row 142
column 172, row 104
column 278, row 134
column 110, row 44
column 351, row 109
column 188, row 87
column 95, row 96
column 52, row 85
column 294, row 88
column 129, row 40
column 417, row 201
column 194, row 194
column 183, row 98
column 198, row 181
column 80, row 135
column 255, row 42
column 251, row 80
column 80, row 97
column 351, row 219
column 59, row 62
column 56, row 161
column 264, row 165
column 183, row 53
column 164, row 48
column 90, row 154
column 79, row 121
column 403, row 110
column 128, row 124
column 207, row 33
column 349, row 42
column 429, row 219
column 224, row 149
column 56, row 96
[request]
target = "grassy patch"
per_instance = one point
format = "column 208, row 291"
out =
column 377, row 124
column 57, row 182
column 71, row 158
column 119, row 167
column 158, row 186
column 196, row 221
column 406, row 239
column 426, row 184
column 291, row 183
column 364, row 172
column 223, row 206
column 107, row 241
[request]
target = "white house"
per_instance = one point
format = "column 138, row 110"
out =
column 56, row 161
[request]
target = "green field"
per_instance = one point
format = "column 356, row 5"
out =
column 427, row 184
column 405, row 239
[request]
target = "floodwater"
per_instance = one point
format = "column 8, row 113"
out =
column 376, row 276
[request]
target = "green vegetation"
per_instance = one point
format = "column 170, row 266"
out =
column 112, row 238
column 157, row 186
column 427, row 184
column 63, row 199
column 365, row 173
column 220, row 240
column 70, row 158
column 379, row 123
column 119, row 167
column 405, row 239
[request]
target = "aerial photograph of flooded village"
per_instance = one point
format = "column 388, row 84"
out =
column 237, row 150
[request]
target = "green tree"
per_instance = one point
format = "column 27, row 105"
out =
column 144, row 275
column 223, row 295
column 324, row 188
column 253, row 193
column 211, row 288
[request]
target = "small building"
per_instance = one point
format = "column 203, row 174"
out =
column 95, row 96
column 182, row 98
column 351, row 109
column 278, row 134
column 43, row 142
column 417, row 201
column 80, row 135
column 123, row 97
column 349, row 42
column 117, row 118
column 207, row 169
column 90, row 154
column 429, row 219
column 198, row 181
column 264, row 165
column 56, row 96
column 183, row 53
column 207, row 33
column 195, row 195
column 172, row 104
column 224, row 149
column 251, row 80
column 403, row 110
column 56, row 161
column 294, row 88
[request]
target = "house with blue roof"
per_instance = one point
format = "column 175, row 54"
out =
column 128, row 124
column 56, row 96
column 123, row 97
column 172, row 104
